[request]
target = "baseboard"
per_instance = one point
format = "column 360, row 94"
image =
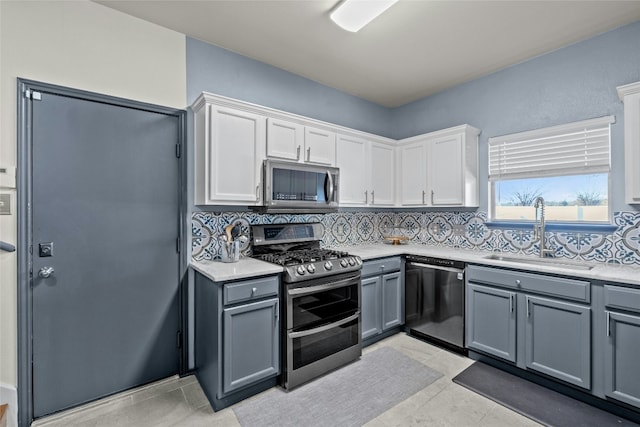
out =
column 9, row 395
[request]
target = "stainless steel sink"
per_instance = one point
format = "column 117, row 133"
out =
column 550, row 262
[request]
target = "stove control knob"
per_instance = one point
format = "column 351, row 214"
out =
column 328, row 265
column 300, row 270
column 358, row 260
column 352, row 261
column 344, row 263
column 311, row 268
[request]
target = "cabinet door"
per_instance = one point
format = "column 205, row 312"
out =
column 251, row 344
column 446, row 162
column 235, row 156
column 622, row 376
column 353, row 161
column 370, row 310
column 558, row 340
column 392, row 301
column 320, row 146
column 285, row 140
column 491, row 321
column 382, row 166
column 413, row 174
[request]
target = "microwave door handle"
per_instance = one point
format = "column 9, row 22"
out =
column 328, row 193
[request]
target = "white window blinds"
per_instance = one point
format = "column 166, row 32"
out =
column 569, row 149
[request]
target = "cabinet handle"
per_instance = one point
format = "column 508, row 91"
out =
column 309, row 154
column 432, row 196
column 608, row 323
column 528, row 309
column 298, row 153
column 511, row 303
column 373, row 197
column 258, row 193
column 424, row 193
column 366, row 197
column 277, row 311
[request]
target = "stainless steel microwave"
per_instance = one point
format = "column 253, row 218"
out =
column 299, row 187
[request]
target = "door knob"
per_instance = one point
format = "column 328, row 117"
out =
column 45, row 272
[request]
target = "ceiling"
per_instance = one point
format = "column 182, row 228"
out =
column 415, row 49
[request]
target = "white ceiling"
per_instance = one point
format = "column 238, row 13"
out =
column 413, row 50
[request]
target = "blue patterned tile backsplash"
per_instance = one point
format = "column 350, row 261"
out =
column 466, row 230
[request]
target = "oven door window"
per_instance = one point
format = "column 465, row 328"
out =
column 315, row 309
column 316, row 346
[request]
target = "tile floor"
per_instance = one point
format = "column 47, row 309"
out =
column 181, row 402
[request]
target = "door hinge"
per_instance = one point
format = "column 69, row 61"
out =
column 33, row 95
column 178, row 245
column 179, row 339
column 178, row 150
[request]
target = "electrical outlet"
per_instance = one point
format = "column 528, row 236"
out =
column 5, row 204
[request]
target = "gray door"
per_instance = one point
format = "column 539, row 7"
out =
column 105, row 208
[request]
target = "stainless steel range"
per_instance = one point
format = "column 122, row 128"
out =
column 321, row 300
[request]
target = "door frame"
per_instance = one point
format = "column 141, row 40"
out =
column 25, row 226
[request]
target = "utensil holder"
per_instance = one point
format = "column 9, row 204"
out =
column 230, row 251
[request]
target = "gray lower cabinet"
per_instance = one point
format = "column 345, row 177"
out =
column 237, row 337
column 250, row 344
column 382, row 302
column 506, row 319
column 558, row 340
column 491, row 321
column 622, row 375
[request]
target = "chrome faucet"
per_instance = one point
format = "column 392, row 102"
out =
column 538, row 228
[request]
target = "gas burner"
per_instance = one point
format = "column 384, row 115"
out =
column 302, row 258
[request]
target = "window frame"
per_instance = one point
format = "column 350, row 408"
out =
column 605, row 225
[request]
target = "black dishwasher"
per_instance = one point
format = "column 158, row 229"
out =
column 434, row 300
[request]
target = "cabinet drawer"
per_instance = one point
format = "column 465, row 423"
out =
column 250, row 289
column 578, row 290
column 381, row 266
column 622, row 298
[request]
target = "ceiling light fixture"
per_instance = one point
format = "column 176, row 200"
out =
column 352, row 15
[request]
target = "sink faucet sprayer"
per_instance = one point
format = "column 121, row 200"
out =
column 538, row 229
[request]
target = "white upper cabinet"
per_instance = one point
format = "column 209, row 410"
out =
column 366, row 172
column 382, row 173
column 285, row 140
column 319, row 146
column 440, row 168
column 630, row 95
column 300, row 143
column 413, row 173
column 352, row 161
column 229, row 150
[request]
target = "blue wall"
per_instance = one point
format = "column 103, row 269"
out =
column 216, row 70
column 574, row 83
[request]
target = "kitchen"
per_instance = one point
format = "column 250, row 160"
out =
column 556, row 88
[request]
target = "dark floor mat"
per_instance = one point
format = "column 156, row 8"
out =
column 534, row 401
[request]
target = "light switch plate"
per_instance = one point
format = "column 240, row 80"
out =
column 5, row 204
column 7, row 176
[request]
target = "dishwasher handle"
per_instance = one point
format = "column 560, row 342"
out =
column 436, row 267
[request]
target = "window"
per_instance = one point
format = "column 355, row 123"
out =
column 568, row 165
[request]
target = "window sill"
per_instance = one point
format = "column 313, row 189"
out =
column 555, row 226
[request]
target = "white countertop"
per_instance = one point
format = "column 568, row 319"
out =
column 226, row 271
column 249, row 267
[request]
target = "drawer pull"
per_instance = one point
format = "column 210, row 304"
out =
column 253, row 291
column 518, row 282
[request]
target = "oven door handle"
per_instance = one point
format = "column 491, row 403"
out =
column 323, row 328
column 315, row 289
